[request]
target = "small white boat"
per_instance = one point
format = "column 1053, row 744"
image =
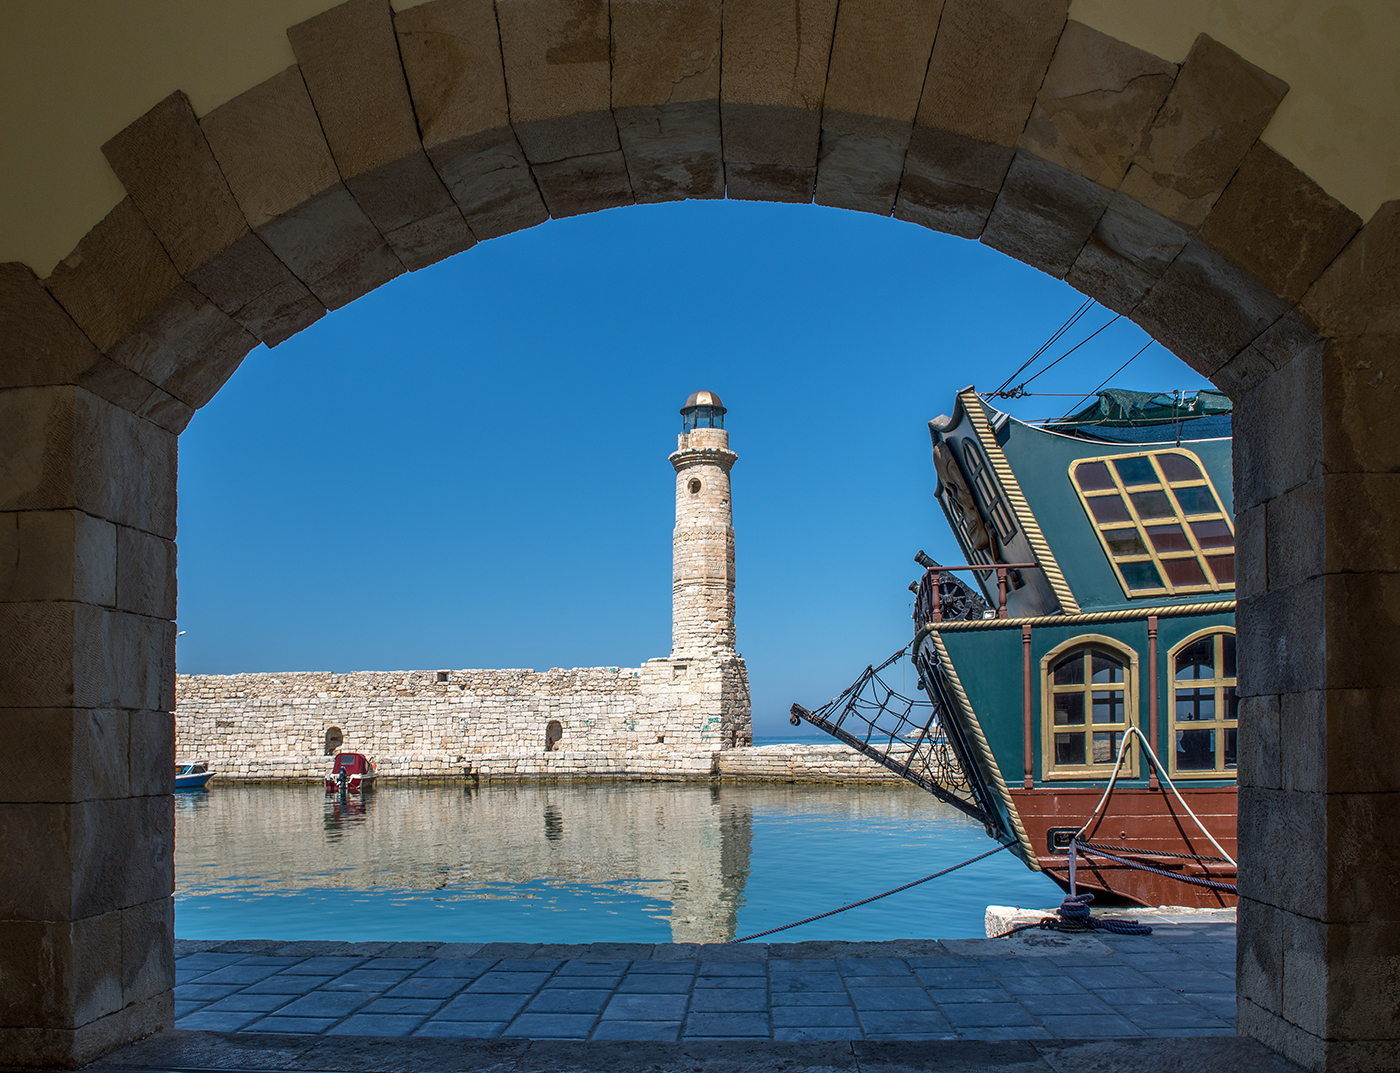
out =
column 192, row 776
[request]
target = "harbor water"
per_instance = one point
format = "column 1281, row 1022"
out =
column 581, row 862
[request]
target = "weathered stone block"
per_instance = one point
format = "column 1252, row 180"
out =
column 584, row 184
column 1242, row 373
column 1360, row 417
column 1285, row 633
column 1251, row 557
column 556, row 57
column 1355, row 719
column 1096, row 104
column 1216, row 110
column 269, row 144
column 1277, row 224
column 1128, row 252
column 988, row 61
column 1303, row 975
column 57, row 555
column 71, row 754
column 774, row 61
column 1359, row 293
column 1363, row 632
column 1278, row 439
column 145, row 573
column 40, row 344
column 1044, row 214
column 165, row 164
column 68, row 449
column 1363, row 836
column 1298, row 548
column 452, row 58
column 869, row 109
column 1259, row 954
column 950, row 181
column 1288, row 861
column 1205, row 309
column 1259, row 747
column 770, row 182
column 1360, row 997
column 1303, row 748
column 349, row 59
column 148, row 949
column 77, row 980
column 672, row 151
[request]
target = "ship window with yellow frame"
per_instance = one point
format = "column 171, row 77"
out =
column 1205, row 710
column 1160, row 521
column 1088, row 688
column 979, row 473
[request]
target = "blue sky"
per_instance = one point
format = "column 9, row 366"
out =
column 467, row 468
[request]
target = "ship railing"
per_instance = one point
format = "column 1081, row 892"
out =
column 940, row 595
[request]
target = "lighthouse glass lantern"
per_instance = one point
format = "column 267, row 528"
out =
column 702, row 410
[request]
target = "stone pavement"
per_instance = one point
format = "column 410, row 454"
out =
column 1038, row 986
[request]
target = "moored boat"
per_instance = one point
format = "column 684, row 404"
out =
column 192, row 775
column 1085, row 680
column 351, row 772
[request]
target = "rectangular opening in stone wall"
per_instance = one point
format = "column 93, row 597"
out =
column 678, row 671
column 442, row 676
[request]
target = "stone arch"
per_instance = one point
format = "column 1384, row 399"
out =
column 553, row 735
column 400, row 139
column 335, row 738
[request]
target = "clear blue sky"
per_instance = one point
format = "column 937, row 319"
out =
column 467, row 468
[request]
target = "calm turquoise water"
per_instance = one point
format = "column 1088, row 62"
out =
column 642, row 862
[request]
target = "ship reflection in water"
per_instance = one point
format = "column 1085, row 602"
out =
column 649, row 862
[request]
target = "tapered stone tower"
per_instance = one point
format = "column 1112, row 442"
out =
column 709, row 684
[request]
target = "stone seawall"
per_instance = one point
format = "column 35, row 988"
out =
column 651, row 722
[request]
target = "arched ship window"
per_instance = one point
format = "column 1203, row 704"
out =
column 1089, row 699
column 988, row 494
column 1160, row 521
column 1205, row 710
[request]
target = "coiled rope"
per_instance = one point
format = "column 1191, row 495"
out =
column 875, row 898
column 1074, row 916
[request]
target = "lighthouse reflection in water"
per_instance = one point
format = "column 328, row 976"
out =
column 638, row 862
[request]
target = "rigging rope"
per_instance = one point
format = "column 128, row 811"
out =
column 1106, row 379
column 875, row 898
column 1066, row 326
column 1020, row 388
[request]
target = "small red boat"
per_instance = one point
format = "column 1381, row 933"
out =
column 352, row 771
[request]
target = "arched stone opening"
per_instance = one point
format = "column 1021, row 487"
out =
column 335, row 738
column 401, row 139
column 553, row 735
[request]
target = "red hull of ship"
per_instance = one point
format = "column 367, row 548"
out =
column 1144, row 820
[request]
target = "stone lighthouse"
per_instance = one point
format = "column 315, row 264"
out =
column 703, row 686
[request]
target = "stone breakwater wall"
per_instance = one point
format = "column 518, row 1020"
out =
column 592, row 722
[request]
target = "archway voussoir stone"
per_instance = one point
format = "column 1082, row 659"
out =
column 1129, row 250
column 170, row 174
column 774, row 65
column 1044, row 214
column 269, row 144
column 451, row 54
column 1359, row 293
column 665, row 96
column 1218, row 106
column 349, row 60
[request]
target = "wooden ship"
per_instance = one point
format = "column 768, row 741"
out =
column 1096, row 623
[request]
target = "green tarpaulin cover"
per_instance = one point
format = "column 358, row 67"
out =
column 1119, row 408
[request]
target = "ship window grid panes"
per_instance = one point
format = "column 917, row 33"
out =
column 1204, row 705
column 988, row 495
column 1088, row 690
column 1159, row 520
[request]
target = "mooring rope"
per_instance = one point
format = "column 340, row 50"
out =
column 875, row 898
column 1195, row 881
column 1074, row 916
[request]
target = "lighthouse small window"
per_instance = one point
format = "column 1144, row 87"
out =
column 694, row 487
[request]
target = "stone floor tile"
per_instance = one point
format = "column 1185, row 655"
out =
column 454, row 968
column 728, row 1000
column 204, row 1021
column 1125, row 998
column 246, row 1003
column 427, row 987
column 204, row 992
column 638, row 1031
column 1202, row 980
column 752, row 983
column 907, row 980
column 569, row 1000
column 184, row 1008
column 621, row 951
column 996, row 1032
column 978, row 1014
column 527, row 965
column 420, row 1007
column 842, row 1016
column 267, row 959
column 1014, row 966
column 593, row 967
column 366, row 980
column 282, row 984
column 679, row 966
column 873, row 966
column 1222, row 1006
column 940, row 961
column 1042, row 985
column 323, row 966
column 514, row 951
column 809, row 998
column 799, row 966
column 237, row 974
column 1066, row 1005
column 293, row 1026
column 1183, row 1015
column 733, row 968
column 727, row 1026
column 551, row 1026
column 1118, row 976
column 326, row 1004
column 646, row 1007
column 890, row 998
column 656, row 984
column 483, row 1007
column 924, row 1023
column 970, row 994
column 377, row 1024
column 1227, row 1030
column 1090, row 1026
column 397, row 963
column 507, row 983
column 967, row 976
column 207, row 960
column 461, row 1029
column 799, row 982
column 816, row 1035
